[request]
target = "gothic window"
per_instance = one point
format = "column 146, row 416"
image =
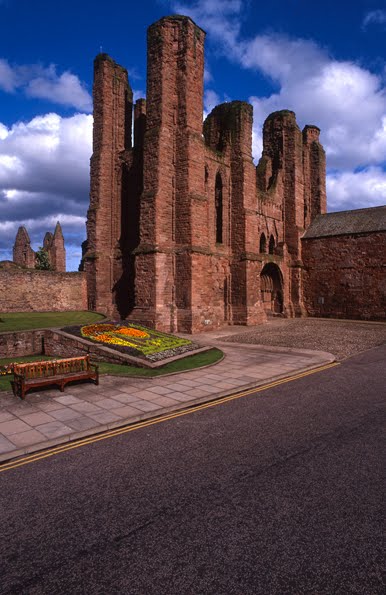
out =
column 271, row 247
column 263, row 243
column 219, row 210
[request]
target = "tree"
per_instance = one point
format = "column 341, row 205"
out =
column 42, row 260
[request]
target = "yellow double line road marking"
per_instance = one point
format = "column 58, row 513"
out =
column 151, row 422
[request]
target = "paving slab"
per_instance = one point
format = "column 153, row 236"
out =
column 47, row 418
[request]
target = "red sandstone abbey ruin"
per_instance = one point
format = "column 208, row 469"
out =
column 53, row 245
column 184, row 233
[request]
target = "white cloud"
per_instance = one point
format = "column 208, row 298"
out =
column 215, row 16
column 3, row 131
column 280, row 57
column 45, row 83
column 138, row 94
column 343, row 98
column 333, row 97
column 38, row 155
column 377, row 17
column 65, row 90
column 354, row 190
column 8, row 78
column 44, row 177
column 211, row 99
column 208, row 77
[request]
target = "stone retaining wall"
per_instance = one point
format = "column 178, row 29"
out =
column 42, row 291
column 57, row 343
column 21, row 343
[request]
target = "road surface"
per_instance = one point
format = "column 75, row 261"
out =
column 274, row 493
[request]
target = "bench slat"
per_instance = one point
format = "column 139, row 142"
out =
column 33, row 374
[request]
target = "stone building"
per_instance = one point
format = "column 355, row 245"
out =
column 24, row 256
column 54, row 245
column 184, row 233
column 344, row 259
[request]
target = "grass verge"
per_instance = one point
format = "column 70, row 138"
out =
column 191, row 362
column 187, row 363
column 23, row 321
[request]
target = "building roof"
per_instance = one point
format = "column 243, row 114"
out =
column 348, row 223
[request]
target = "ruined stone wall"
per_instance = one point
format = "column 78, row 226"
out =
column 21, row 343
column 57, row 252
column 53, row 244
column 42, row 291
column 175, row 224
column 314, row 164
column 23, row 255
column 112, row 136
column 291, row 192
column 345, row 276
column 173, row 202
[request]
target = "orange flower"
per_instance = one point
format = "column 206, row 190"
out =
column 92, row 329
column 131, row 332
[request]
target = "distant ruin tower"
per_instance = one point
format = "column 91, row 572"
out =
column 314, row 163
column 47, row 243
column 53, row 244
column 23, row 254
column 173, row 172
column 113, row 102
column 57, row 252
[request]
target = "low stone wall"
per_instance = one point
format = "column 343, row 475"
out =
column 345, row 276
column 42, row 291
column 62, row 345
column 57, row 343
column 20, row 343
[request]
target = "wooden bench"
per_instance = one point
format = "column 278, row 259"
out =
column 61, row 371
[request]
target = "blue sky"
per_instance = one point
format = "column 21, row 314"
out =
column 324, row 60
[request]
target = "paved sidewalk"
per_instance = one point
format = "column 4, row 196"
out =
column 49, row 417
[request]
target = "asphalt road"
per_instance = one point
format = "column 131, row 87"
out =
column 275, row 493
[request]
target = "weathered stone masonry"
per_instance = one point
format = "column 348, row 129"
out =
column 24, row 256
column 175, row 221
column 184, row 233
column 344, row 257
column 41, row 291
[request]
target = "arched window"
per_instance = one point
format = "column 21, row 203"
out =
column 271, row 247
column 219, row 209
column 206, row 177
column 263, row 243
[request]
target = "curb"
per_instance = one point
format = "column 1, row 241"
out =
column 6, row 457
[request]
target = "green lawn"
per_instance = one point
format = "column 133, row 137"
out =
column 23, row 321
column 188, row 363
column 5, row 381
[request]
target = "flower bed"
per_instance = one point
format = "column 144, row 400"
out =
column 7, row 369
column 133, row 339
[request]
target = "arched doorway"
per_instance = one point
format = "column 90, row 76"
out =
column 271, row 285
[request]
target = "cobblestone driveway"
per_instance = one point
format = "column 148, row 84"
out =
column 343, row 338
